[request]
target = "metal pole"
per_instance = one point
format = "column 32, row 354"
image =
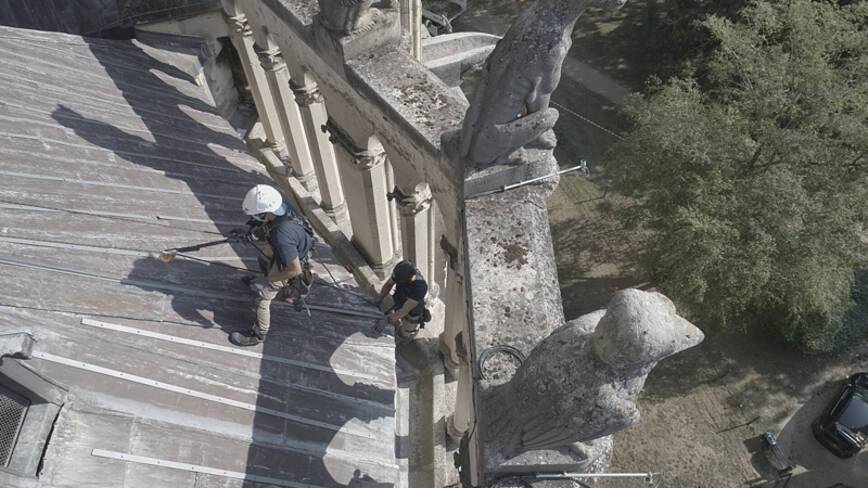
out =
column 582, row 167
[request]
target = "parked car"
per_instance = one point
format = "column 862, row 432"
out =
column 843, row 426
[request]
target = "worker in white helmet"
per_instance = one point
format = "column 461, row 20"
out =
column 285, row 239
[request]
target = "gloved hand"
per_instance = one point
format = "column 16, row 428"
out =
column 240, row 235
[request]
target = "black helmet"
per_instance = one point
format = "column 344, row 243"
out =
column 404, row 272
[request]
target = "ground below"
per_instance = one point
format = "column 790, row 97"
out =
column 703, row 409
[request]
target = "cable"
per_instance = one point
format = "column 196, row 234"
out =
column 582, row 117
column 101, row 315
column 486, row 355
column 111, row 217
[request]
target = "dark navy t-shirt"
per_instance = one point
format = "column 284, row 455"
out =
column 289, row 239
column 415, row 290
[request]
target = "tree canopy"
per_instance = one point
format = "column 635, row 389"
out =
column 753, row 185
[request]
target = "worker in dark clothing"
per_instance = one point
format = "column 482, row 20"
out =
column 408, row 314
column 284, row 242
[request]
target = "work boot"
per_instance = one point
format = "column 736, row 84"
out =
column 245, row 339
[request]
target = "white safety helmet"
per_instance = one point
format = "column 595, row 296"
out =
column 261, row 199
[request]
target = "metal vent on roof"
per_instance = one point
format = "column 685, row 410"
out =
column 13, row 408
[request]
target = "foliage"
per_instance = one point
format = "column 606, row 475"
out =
column 755, row 184
column 648, row 38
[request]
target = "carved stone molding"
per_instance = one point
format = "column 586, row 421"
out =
column 239, row 24
column 306, row 95
column 367, row 160
column 451, row 252
column 363, row 159
column 270, row 59
column 416, row 202
column 280, row 150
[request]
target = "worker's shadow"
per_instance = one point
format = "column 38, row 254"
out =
column 213, row 295
column 322, row 372
column 201, row 294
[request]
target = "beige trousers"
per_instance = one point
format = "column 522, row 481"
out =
column 264, row 291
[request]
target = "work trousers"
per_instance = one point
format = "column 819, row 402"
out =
column 409, row 327
column 264, row 291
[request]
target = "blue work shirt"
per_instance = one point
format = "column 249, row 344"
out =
column 288, row 237
column 415, row 290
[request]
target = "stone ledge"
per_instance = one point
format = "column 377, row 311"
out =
column 513, row 284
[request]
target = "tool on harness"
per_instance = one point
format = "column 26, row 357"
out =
column 298, row 287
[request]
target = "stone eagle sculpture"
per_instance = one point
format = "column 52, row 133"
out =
column 510, row 108
column 581, row 382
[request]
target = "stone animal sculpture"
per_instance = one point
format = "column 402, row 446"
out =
column 510, row 108
column 347, row 15
column 581, row 382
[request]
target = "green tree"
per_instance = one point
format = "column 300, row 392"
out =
column 754, row 185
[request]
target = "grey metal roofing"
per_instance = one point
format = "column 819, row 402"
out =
column 96, row 17
column 108, row 154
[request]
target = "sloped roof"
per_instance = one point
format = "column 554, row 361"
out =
column 107, row 155
column 110, row 18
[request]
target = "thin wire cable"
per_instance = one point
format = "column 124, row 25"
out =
column 101, row 315
column 589, row 121
column 111, row 217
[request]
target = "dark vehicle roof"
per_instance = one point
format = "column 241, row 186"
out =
column 854, row 412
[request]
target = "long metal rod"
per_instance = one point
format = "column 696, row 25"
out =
column 595, row 475
column 196, row 468
column 198, row 394
column 513, row 186
column 582, row 167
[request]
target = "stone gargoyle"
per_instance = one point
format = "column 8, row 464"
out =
column 347, row 15
column 510, row 109
column 581, row 382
